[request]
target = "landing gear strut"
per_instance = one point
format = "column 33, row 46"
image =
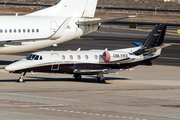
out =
column 77, row 77
column 100, row 78
column 20, row 80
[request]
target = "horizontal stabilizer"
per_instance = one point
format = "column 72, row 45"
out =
column 137, row 44
column 102, row 20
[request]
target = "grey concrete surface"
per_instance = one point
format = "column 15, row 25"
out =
column 144, row 93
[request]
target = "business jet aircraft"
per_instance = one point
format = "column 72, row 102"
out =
column 93, row 61
column 64, row 21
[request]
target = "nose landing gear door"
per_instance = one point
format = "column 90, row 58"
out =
column 55, row 61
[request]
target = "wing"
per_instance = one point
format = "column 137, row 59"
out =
column 59, row 32
column 102, row 20
column 81, row 71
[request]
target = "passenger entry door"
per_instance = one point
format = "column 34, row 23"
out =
column 55, row 61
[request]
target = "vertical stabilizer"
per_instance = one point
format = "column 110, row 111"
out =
column 69, row 8
column 90, row 8
column 155, row 38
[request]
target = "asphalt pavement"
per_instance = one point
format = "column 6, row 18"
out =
column 143, row 93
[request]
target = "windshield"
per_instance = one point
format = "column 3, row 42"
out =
column 30, row 57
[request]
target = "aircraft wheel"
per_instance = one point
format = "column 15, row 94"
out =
column 100, row 80
column 20, row 80
column 78, row 77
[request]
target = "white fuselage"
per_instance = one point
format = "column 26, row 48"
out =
column 31, row 28
column 92, row 59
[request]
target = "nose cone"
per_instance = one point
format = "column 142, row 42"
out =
column 11, row 67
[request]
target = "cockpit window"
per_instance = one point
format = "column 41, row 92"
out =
column 37, row 57
column 30, row 57
column 40, row 58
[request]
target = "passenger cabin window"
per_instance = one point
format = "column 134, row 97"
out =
column 71, row 57
column 32, row 30
column 10, row 30
column 63, row 57
column 37, row 30
column 28, row 30
column 14, row 30
column 1, row 30
column 79, row 57
column 19, row 30
column 96, row 57
column 24, row 30
column 5, row 30
column 86, row 56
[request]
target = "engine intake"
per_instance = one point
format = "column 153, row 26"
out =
column 112, row 56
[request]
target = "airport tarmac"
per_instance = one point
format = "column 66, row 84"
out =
column 143, row 93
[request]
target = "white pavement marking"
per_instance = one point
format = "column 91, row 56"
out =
column 84, row 112
column 123, row 117
column 104, row 115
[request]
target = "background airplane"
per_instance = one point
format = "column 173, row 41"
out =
column 64, row 21
column 93, row 62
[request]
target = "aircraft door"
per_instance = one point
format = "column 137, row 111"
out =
column 53, row 27
column 55, row 61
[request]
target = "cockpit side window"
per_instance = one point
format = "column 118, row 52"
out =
column 37, row 57
column 30, row 57
column 40, row 58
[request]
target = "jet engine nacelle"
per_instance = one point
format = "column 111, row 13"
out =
column 112, row 56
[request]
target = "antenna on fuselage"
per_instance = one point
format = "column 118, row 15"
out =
column 78, row 49
column 16, row 14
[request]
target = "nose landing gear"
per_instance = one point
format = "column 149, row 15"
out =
column 21, row 80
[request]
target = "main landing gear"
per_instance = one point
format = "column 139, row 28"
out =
column 77, row 77
column 20, row 80
column 100, row 78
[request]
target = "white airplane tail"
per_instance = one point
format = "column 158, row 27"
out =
column 69, row 8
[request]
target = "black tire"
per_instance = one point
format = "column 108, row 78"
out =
column 78, row 77
column 100, row 81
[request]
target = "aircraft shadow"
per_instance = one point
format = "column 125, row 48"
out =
column 5, row 62
column 45, row 79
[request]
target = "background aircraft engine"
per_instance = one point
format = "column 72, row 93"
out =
column 112, row 56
